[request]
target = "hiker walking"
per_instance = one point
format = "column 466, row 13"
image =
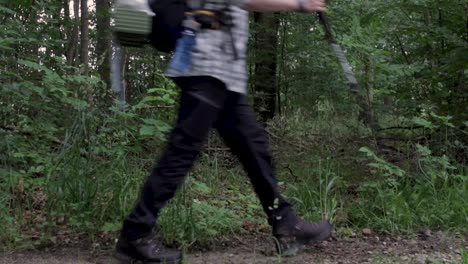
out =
column 209, row 66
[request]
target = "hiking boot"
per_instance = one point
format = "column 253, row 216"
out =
column 145, row 250
column 291, row 238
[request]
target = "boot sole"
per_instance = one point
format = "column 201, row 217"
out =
column 293, row 247
column 321, row 237
column 127, row 259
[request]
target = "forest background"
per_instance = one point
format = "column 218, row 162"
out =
column 72, row 162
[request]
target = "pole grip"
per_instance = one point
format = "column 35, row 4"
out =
column 326, row 26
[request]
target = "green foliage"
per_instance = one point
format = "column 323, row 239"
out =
column 9, row 230
column 434, row 198
column 381, row 167
column 464, row 254
column 316, row 195
column 83, row 160
column 70, row 160
column 189, row 220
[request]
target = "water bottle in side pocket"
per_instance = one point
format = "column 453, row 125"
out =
column 181, row 61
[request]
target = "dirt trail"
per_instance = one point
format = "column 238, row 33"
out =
column 439, row 248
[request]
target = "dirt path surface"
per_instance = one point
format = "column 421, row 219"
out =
column 438, row 248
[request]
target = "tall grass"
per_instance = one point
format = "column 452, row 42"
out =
column 94, row 189
column 93, row 181
column 189, row 220
column 362, row 189
column 315, row 195
column 96, row 179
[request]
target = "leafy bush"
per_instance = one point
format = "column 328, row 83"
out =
column 435, row 197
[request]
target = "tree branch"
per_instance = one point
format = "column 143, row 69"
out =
column 403, row 51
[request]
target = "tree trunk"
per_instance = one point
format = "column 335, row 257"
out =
column 73, row 38
column 366, row 114
column 84, row 48
column 281, row 76
column 266, row 43
column 103, row 45
column 32, row 17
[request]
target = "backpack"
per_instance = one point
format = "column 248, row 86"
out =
column 155, row 22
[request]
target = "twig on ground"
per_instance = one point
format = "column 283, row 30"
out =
column 284, row 140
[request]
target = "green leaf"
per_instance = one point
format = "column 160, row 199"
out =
column 75, row 103
column 152, row 98
column 155, row 90
column 147, row 131
column 445, row 120
column 6, row 10
column 367, row 151
column 423, row 122
column 157, row 124
column 50, row 76
column 33, row 65
column 152, row 121
column 423, row 150
column 10, row 172
column 110, row 227
column 201, row 187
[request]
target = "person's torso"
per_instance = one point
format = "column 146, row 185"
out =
column 221, row 53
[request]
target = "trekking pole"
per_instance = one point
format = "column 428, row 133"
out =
column 366, row 113
column 339, row 54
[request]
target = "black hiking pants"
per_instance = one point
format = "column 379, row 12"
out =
column 206, row 103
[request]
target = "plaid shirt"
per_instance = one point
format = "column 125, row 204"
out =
column 213, row 53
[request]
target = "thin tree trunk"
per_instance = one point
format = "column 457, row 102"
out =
column 55, row 34
column 282, row 79
column 84, row 48
column 64, row 22
column 366, row 114
column 32, row 18
column 266, row 43
column 73, row 39
column 103, row 44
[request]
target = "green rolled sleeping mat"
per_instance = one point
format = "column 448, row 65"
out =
column 132, row 22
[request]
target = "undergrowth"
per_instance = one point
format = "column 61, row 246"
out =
column 83, row 179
